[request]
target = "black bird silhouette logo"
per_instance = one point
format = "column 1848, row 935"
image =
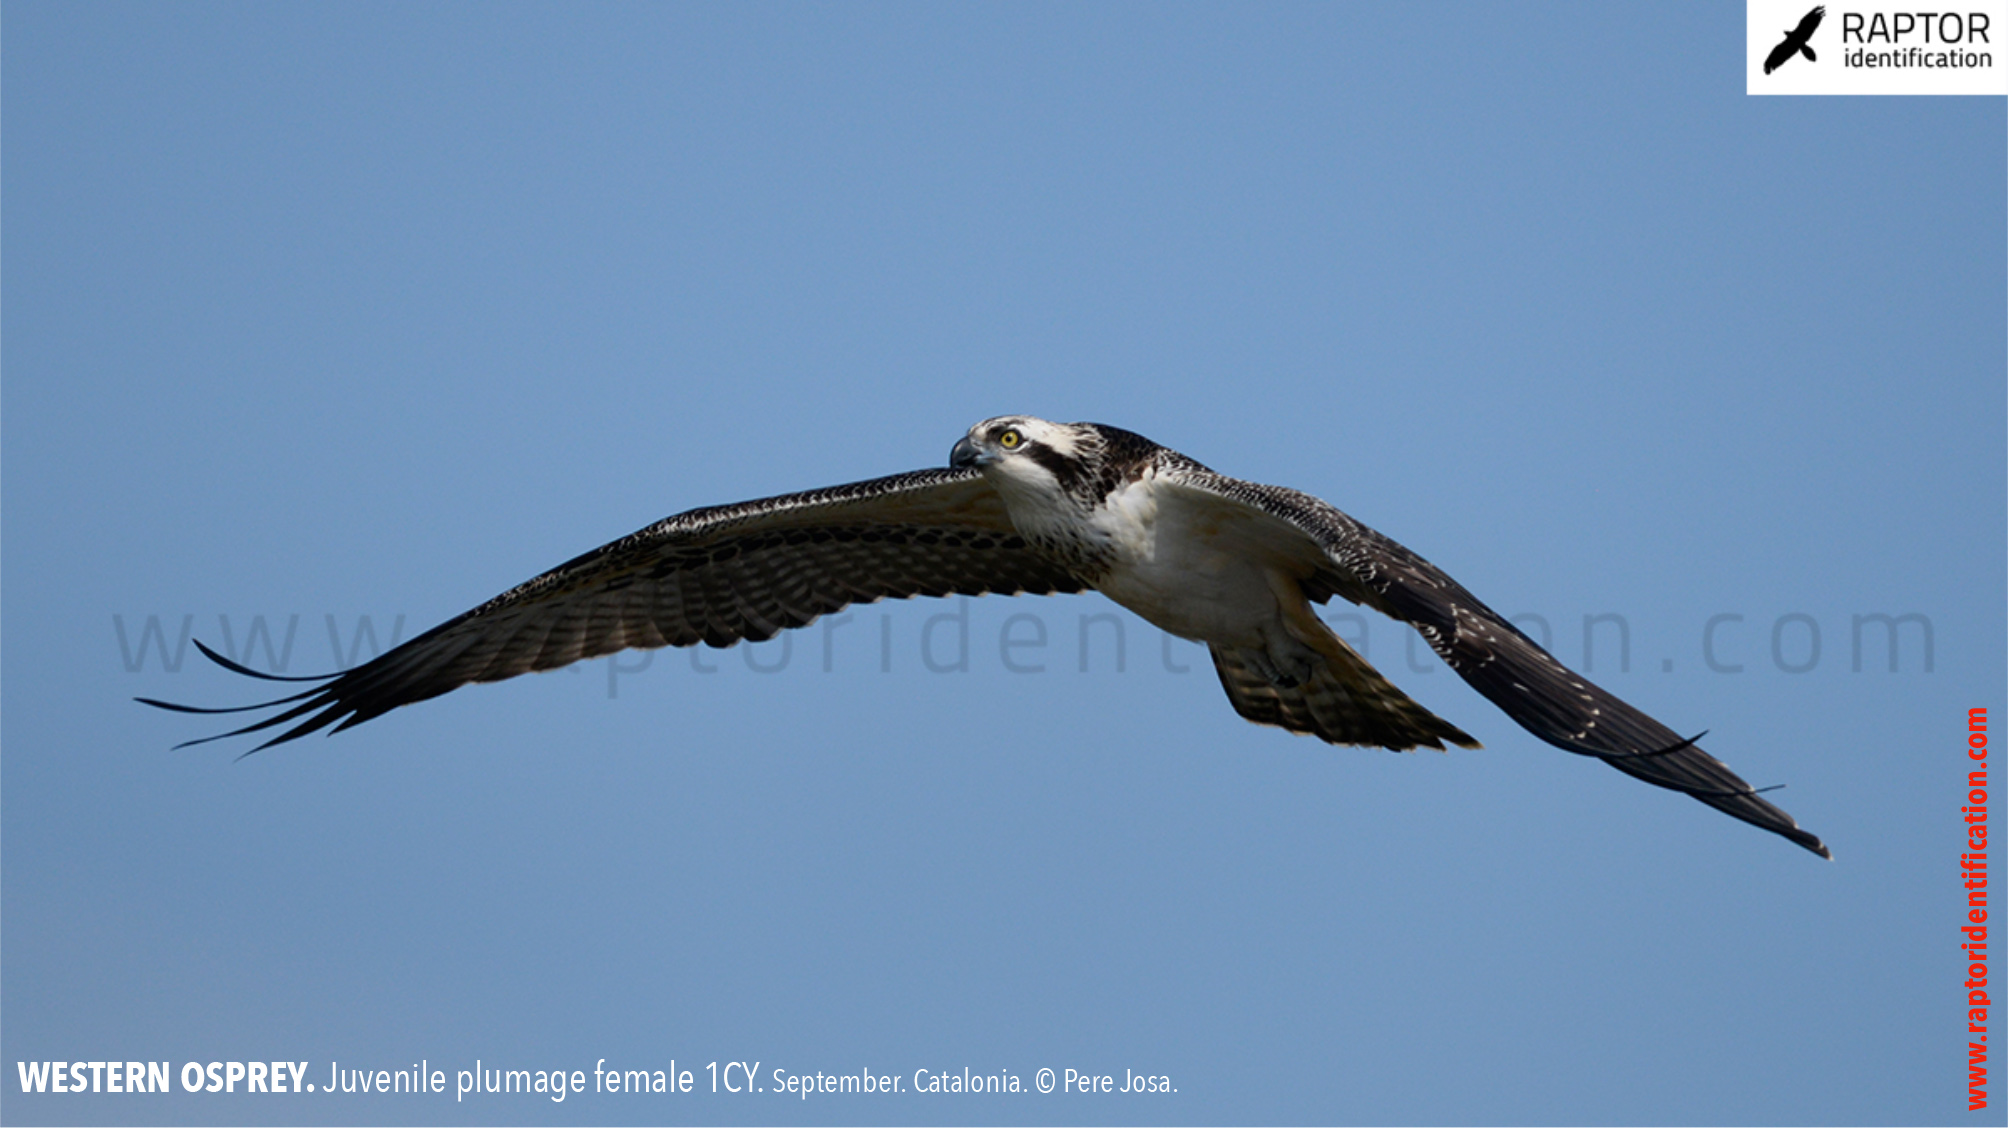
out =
column 1798, row 40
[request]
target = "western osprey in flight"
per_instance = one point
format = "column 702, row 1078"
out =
column 1030, row 506
column 1796, row 41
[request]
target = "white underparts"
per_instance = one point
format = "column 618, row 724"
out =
column 1195, row 565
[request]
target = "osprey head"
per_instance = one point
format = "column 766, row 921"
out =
column 1053, row 473
column 1027, row 452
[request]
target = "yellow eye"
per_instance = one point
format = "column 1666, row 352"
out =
column 1010, row 439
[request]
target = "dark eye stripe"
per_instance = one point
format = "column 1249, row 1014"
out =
column 1066, row 470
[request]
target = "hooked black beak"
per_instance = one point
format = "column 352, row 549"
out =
column 963, row 454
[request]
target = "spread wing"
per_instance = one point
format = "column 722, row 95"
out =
column 1341, row 557
column 1809, row 24
column 716, row 575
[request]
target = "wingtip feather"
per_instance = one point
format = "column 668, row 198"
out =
column 232, row 665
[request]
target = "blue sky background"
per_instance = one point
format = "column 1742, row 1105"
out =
column 376, row 310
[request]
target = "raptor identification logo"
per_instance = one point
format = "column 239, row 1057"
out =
column 1900, row 47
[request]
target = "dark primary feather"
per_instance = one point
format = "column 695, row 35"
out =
column 716, row 575
column 1552, row 702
